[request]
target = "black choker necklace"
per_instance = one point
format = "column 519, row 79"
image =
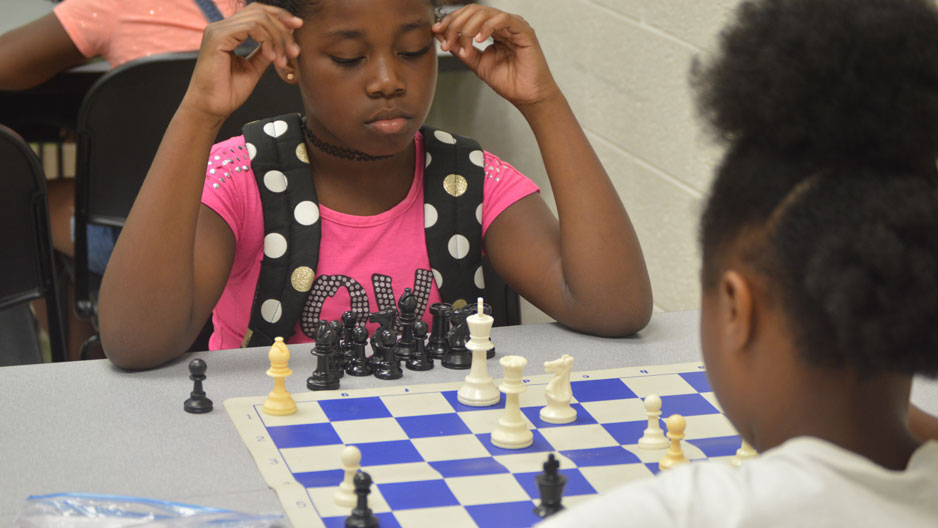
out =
column 339, row 152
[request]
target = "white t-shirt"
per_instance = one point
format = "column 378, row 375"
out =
column 804, row 482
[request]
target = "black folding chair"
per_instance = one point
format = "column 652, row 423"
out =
column 120, row 126
column 27, row 272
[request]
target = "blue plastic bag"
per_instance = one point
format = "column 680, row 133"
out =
column 70, row 510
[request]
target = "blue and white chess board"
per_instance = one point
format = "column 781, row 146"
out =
column 432, row 460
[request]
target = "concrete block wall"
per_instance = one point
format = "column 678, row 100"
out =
column 623, row 65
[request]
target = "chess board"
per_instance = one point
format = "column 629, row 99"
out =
column 432, row 460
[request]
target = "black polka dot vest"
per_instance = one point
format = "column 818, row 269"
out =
column 453, row 180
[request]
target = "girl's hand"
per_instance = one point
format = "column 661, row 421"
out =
column 222, row 81
column 514, row 66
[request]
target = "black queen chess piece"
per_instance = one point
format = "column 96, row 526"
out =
column 197, row 403
column 324, row 377
column 550, row 483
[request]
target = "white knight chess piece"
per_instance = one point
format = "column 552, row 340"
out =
column 558, row 392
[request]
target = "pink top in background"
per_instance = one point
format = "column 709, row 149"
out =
column 370, row 253
column 123, row 30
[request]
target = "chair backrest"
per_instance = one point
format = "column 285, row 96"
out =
column 120, row 126
column 26, row 269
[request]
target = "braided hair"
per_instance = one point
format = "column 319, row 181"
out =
column 829, row 188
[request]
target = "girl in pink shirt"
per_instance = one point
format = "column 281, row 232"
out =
column 367, row 72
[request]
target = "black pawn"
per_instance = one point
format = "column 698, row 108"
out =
column 390, row 367
column 550, row 483
column 436, row 345
column 457, row 355
column 358, row 365
column 407, row 306
column 324, row 377
column 419, row 359
column 197, row 402
column 361, row 516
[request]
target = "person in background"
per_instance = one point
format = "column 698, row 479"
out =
column 116, row 31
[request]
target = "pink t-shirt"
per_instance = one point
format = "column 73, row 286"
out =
column 360, row 257
column 123, row 30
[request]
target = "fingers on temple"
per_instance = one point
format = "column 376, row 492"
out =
column 270, row 27
column 497, row 26
column 451, row 27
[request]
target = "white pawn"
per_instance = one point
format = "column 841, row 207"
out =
column 745, row 451
column 479, row 389
column 351, row 461
column 653, row 437
column 558, row 392
column 675, row 454
column 512, row 431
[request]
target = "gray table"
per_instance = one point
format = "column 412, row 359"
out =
column 93, row 428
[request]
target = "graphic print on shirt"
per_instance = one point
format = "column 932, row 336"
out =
column 327, row 286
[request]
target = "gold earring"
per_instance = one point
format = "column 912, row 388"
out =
column 290, row 76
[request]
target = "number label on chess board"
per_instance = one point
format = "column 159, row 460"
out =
column 432, row 460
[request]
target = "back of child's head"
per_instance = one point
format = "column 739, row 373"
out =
column 829, row 188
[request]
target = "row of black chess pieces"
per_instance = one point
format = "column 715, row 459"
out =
column 550, row 483
column 340, row 346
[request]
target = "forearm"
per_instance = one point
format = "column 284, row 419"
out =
column 31, row 54
column 147, row 297
column 601, row 259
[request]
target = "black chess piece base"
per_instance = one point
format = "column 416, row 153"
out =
column 419, row 363
column 436, row 350
column 457, row 359
column 359, row 368
column 316, row 384
column 546, row 510
column 389, row 371
column 198, row 404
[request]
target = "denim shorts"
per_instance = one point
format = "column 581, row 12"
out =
column 101, row 241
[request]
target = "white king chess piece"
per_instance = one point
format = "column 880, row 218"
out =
column 479, row 389
column 512, row 431
column 558, row 392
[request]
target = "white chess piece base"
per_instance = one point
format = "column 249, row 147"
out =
column 558, row 415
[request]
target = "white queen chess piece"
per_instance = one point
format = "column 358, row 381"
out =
column 653, row 437
column 479, row 389
column 512, row 431
column 558, row 392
